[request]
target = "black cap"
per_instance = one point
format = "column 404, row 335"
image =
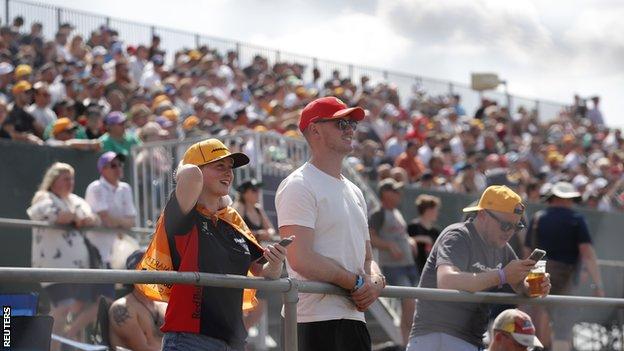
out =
column 133, row 260
column 252, row 183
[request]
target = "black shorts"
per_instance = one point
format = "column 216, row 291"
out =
column 333, row 335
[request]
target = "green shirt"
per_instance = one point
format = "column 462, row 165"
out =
column 122, row 146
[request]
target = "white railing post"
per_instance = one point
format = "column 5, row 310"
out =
column 291, row 297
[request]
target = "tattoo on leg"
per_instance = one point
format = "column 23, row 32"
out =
column 120, row 314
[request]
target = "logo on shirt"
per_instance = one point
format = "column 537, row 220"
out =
column 483, row 268
column 243, row 244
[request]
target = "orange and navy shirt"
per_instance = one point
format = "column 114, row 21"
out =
column 198, row 243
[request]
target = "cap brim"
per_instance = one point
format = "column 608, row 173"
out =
column 561, row 195
column 239, row 158
column 527, row 340
column 472, row 209
column 356, row 113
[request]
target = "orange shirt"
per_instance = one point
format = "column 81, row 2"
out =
column 413, row 165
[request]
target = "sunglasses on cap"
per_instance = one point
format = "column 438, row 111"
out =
column 506, row 226
column 342, row 124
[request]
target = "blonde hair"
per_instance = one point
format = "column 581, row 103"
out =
column 50, row 176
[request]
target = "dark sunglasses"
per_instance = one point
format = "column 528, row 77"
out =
column 506, row 226
column 342, row 124
column 114, row 165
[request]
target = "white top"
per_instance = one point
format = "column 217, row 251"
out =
column 45, row 116
column 117, row 201
column 55, row 248
column 336, row 210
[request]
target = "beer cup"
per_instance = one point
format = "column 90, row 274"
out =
column 535, row 278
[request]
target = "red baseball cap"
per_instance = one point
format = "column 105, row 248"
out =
column 328, row 107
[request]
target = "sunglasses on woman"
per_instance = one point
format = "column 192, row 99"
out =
column 342, row 124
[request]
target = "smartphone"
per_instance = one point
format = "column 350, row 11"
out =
column 285, row 242
column 537, row 255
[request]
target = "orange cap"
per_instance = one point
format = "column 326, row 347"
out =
column 499, row 198
column 212, row 150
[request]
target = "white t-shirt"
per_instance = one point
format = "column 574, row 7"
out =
column 336, row 210
column 117, row 201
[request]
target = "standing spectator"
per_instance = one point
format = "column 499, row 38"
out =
column 41, row 108
column 199, row 226
column 56, row 203
column 422, row 229
column 117, row 139
column 21, row 125
column 248, row 205
column 513, row 331
column 563, row 233
column 594, row 114
column 134, row 319
column 111, row 199
column 388, row 232
column 410, row 161
column 327, row 214
column 471, row 256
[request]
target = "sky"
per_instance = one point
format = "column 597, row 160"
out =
column 549, row 50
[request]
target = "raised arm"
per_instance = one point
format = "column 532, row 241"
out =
column 190, row 182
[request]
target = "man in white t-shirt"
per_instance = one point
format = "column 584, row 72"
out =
column 112, row 200
column 327, row 214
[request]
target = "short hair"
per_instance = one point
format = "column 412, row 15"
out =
column 425, row 202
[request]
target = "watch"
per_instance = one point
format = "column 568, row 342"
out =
column 359, row 282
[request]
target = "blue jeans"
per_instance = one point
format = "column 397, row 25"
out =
column 192, row 342
column 439, row 342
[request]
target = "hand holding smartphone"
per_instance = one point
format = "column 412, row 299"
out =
column 284, row 242
column 537, row 255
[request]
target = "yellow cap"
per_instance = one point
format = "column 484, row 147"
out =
column 501, row 199
column 212, row 150
column 21, row 87
column 190, row 122
column 171, row 115
column 62, row 124
column 22, row 70
column 194, row 55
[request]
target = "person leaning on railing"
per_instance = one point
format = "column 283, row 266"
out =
column 471, row 256
column 56, row 203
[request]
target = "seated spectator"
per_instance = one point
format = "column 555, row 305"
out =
column 19, row 124
column 41, row 108
column 56, row 203
column 117, row 139
column 94, row 122
column 64, row 135
column 409, row 161
column 134, row 319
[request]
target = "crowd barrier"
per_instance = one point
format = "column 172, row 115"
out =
column 288, row 287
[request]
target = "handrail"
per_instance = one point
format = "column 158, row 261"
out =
column 289, row 287
column 26, row 223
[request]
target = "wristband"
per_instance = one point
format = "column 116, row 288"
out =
column 502, row 278
column 359, row 282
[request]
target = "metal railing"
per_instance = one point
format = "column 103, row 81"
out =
column 289, row 287
column 134, row 33
column 154, row 163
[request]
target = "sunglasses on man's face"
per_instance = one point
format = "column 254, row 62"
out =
column 506, row 226
column 114, row 165
column 342, row 124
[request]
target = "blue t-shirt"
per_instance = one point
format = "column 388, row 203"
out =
column 560, row 231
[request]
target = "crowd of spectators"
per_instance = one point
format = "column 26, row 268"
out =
column 97, row 93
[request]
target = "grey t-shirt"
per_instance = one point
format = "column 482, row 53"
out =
column 461, row 246
column 391, row 226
